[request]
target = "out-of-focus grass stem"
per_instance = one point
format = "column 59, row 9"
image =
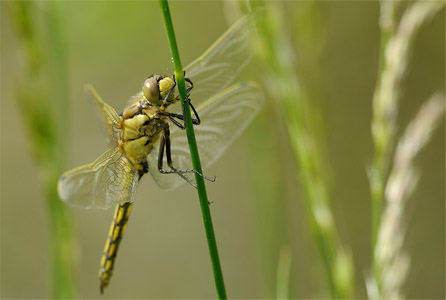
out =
column 42, row 97
column 391, row 261
column 283, row 273
column 303, row 120
column 204, row 202
column 386, row 22
column 395, row 53
column 396, row 48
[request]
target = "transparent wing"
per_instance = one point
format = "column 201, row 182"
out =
column 220, row 64
column 109, row 180
column 223, row 118
column 107, row 114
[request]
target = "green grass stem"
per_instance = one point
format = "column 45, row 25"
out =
column 303, row 119
column 283, row 273
column 204, row 202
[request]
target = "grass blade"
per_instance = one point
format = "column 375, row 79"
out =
column 204, row 202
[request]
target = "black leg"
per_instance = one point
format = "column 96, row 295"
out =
column 178, row 124
column 190, row 87
column 165, row 142
column 168, row 153
column 198, row 121
column 161, row 153
column 195, row 121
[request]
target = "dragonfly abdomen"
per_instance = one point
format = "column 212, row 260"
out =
column 117, row 229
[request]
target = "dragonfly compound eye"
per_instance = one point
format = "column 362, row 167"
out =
column 151, row 90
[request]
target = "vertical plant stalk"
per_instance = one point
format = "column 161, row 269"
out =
column 204, row 202
column 42, row 98
column 304, row 124
column 392, row 262
column 396, row 49
column 387, row 26
column 283, row 273
column 395, row 53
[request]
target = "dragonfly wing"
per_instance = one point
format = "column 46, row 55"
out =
column 107, row 114
column 223, row 118
column 220, row 64
column 109, row 180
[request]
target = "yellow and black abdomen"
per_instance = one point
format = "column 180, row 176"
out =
column 117, row 229
column 141, row 128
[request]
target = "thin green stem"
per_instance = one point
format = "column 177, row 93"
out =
column 204, row 202
column 283, row 273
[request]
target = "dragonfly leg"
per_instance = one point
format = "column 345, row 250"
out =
column 165, row 143
column 191, row 85
column 196, row 120
column 182, row 125
column 188, row 88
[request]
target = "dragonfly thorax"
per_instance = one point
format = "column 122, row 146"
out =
column 143, row 121
column 141, row 124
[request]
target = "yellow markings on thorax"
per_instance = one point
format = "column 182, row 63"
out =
column 132, row 127
column 117, row 229
column 139, row 131
column 136, row 149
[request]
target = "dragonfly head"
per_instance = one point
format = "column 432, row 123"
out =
column 156, row 88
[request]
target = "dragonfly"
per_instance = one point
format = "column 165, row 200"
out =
column 148, row 135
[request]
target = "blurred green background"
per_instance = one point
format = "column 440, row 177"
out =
column 114, row 46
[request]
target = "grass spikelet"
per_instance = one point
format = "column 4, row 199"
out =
column 391, row 261
column 396, row 54
column 392, row 181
